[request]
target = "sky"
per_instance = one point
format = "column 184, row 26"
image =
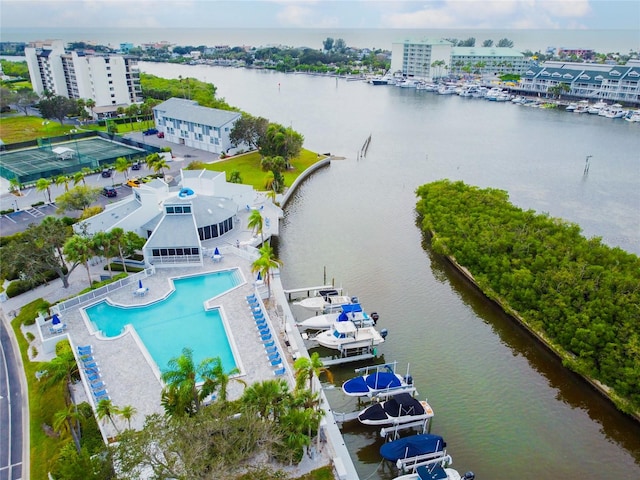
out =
column 436, row 14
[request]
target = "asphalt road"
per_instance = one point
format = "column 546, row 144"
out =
column 11, row 405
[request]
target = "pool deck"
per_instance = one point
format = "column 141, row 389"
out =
column 130, row 375
column 131, row 379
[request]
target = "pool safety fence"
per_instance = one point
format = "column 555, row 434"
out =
column 102, row 291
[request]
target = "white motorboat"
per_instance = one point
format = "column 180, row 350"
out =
column 613, row 111
column 351, row 312
column 346, row 336
column 447, row 90
column 378, row 379
column 326, row 301
column 397, row 410
column 596, row 107
column 581, row 107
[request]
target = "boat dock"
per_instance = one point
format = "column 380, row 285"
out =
column 327, row 362
column 293, row 293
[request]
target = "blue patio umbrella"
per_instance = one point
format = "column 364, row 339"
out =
column 56, row 319
column 139, row 283
column 216, row 251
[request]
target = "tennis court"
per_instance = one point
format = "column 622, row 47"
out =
column 54, row 159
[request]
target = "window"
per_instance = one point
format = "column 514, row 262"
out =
column 170, row 210
column 156, row 252
column 172, row 251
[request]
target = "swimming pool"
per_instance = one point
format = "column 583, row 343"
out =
column 177, row 321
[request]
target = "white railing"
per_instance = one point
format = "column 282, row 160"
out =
column 102, row 291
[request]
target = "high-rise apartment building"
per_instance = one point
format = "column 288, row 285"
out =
column 111, row 81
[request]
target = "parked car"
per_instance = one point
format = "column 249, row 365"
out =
column 133, row 182
column 150, row 131
column 136, row 166
column 109, row 192
column 160, row 134
column 106, row 173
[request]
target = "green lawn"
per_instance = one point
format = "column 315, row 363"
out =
column 20, row 128
column 251, row 174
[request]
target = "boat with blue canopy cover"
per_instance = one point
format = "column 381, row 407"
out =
column 412, row 446
column 364, row 385
column 378, row 379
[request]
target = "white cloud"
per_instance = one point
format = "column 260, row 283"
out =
column 487, row 14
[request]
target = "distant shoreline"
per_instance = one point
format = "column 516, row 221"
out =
column 618, row 40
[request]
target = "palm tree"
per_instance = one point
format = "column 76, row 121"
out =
column 151, row 159
column 104, row 244
column 269, row 397
column 181, row 379
column 128, row 412
column 265, row 264
column 122, row 166
column 218, row 381
column 62, row 180
column 256, row 223
column 43, row 185
column 307, row 367
column 160, row 164
column 90, row 103
column 68, row 420
column 106, row 408
column 62, row 368
column 80, row 249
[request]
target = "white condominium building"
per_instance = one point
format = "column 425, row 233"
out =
column 487, row 60
column 424, row 58
column 111, row 81
column 429, row 59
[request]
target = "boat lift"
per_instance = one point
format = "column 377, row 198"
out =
column 391, row 391
column 393, row 430
column 409, row 465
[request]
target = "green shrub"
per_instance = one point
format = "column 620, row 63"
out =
column 30, row 337
column 68, row 221
column 34, row 352
column 37, row 204
column 5, row 240
column 118, row 267
column 18, row 287
column 6, row 212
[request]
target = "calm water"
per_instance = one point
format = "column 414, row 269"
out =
column 505, row 406
column 162, row 325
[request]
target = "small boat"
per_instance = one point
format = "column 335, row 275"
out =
column 326, row 301
column 448, row 90
column 596, row 107
column 349, row 312
column 379, row 80
column 571, row 107
column 399, row 409
column 581, row 107
column 383, row 379
column 436, row 471
column 613, row 111
column 344, row 336
column 412, row 446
